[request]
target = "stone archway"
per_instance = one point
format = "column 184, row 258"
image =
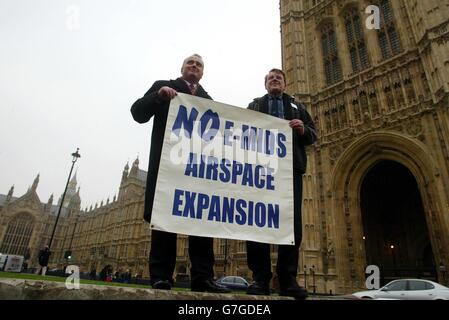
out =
column 395, row 231
column 344, row 204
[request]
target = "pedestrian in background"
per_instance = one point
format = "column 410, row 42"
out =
column 43, row 257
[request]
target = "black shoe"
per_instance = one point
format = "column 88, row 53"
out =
column 294, row 291
column 209, row 286
column 162, row 285
column 259, row 289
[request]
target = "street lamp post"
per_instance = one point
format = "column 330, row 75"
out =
column 75, row 156
column 68, row 253
column 73, row 235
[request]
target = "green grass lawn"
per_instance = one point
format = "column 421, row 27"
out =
column 14, row 275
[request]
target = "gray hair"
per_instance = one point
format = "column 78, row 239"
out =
column 187, row 59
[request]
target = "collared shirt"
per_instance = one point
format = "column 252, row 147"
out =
column 276, row 106
column 192, row 86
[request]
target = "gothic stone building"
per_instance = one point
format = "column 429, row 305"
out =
column 377, row 187
column 113, row 233
column 26, row 224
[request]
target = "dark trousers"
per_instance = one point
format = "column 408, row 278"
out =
column 258, row 254
column 163, row 257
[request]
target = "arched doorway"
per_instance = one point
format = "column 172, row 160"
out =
column 395, row 230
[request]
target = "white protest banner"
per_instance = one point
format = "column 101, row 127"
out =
column 225, row 172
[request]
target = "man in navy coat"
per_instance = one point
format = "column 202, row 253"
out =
column 155, row 103
column 279, row 104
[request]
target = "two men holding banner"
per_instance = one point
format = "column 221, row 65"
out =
column 196, row 198
column 155, row 103
column 279, row 104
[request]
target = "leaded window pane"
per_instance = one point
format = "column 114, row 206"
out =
column 331, row 63
column 394, row 40
column 333, row 44
column 363, row 56
column 357, row 29
column 389, row 40
column 356, row 41
column 354, row 60
column 386, row 11
column 349, row 32
column 384, row 45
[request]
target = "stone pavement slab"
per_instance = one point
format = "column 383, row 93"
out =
column 24, row 289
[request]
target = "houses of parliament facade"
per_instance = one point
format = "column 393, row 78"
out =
column 376, row 191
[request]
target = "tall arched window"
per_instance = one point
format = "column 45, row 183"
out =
column 18, row 234
column 389, row 41
column 356, row 41
column 332, row 68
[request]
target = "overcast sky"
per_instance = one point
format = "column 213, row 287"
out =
column 70, row 71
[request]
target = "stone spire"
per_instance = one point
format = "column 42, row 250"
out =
column 49, row 204
column 135, row 167
column 50, row 200
column 35, row 183
column 10, row 192
column 71, row 194
column 125, row 172
column 75, row 201
column 73, row 182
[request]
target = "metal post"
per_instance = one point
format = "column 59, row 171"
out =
column 73, row 234
column 75, row 156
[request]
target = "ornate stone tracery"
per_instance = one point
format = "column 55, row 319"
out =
column 391, row 110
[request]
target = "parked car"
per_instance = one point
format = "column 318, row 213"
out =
column 56, row 272
column 407, row 289
column 233, row 282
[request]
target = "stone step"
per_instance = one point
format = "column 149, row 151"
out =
column 24, row 289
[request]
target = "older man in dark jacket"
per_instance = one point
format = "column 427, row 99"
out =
column 279, row 104
column 163, row 244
